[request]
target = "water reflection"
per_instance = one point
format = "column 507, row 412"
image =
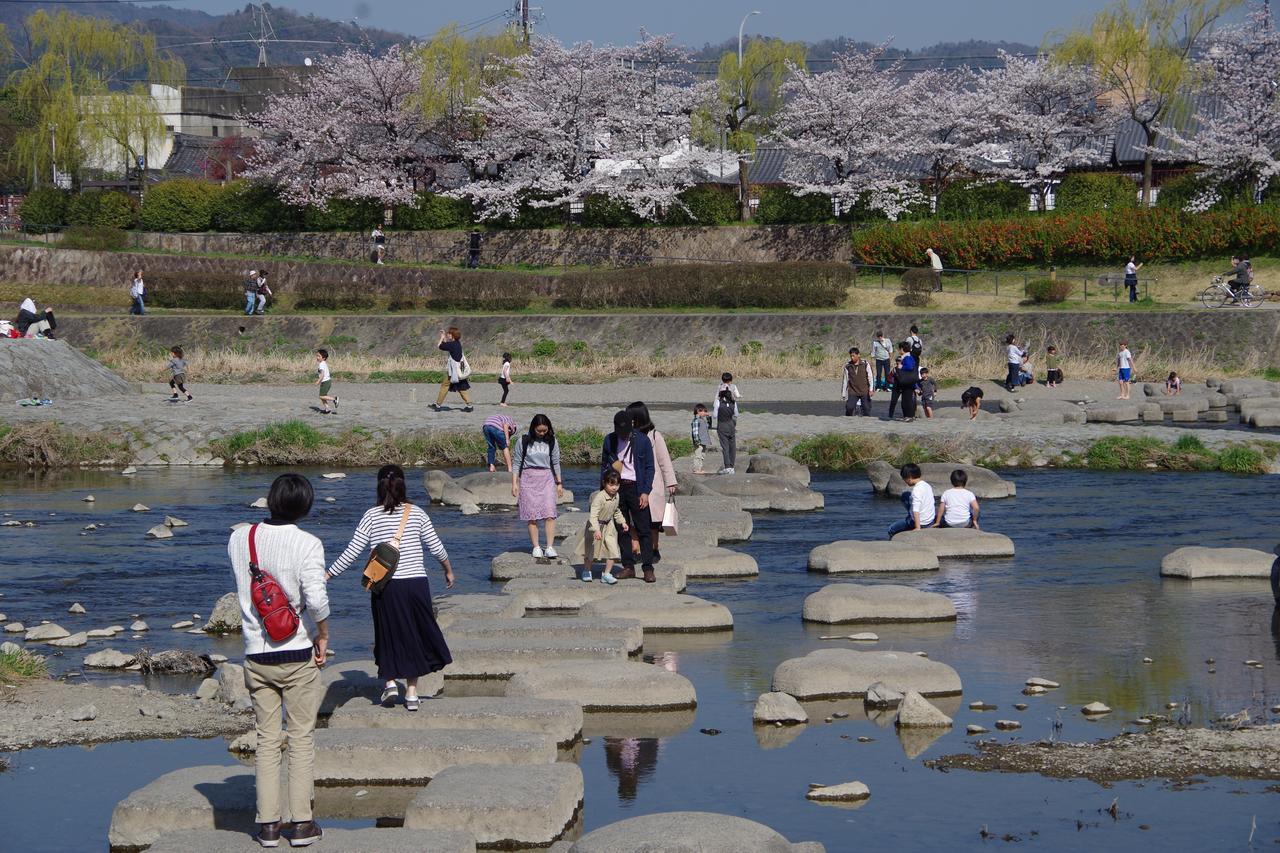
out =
column 631, row 761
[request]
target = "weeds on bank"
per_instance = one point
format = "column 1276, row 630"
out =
column 1188, row 453
column 21, row 665
column 49, row 445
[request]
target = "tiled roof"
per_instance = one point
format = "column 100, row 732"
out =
column 189, row 155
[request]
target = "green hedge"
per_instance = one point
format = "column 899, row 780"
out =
column 43, row 210
column 184, row 204
column 706, row 205
column 249, row 208
column 334, row 296
column 432, row 212
column 604, row 212
column 1043, row 290
column 94, row 239
column 341, row 214
column 780, row 206
column 1091, row 238
column 982, row 200
column 109, row 209
column 194, row 290
column 780, row 285
column 1091, row 192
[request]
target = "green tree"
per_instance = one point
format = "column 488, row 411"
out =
column 747, row 99
column 455, row 70
column 76, row 78
column 1145, row 58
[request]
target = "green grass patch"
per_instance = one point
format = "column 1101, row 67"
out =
column 843, row 452
column 1188, row 453
column 22, row 665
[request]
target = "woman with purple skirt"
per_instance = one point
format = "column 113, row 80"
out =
column 407, row 643
column 536, row 482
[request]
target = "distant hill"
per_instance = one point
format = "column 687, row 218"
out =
column 976, row 54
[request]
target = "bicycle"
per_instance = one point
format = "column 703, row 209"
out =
column 1220, row 293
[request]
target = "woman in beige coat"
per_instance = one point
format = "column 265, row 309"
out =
column 664, row 473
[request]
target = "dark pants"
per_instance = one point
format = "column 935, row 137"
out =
column 882, row 373
column 495, row 440
column 640, row 520
column 1275, row 580
column 1011, row 381
column 1132, row 284
column 177, row 383
column 473, row 258
column 907, row 394
column 857, row 405
column 506, row 389
column 137, row 307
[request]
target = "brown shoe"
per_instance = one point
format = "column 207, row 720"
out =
column 268, row 834
column 648, row 575
column 306, row 833
column 624, row 573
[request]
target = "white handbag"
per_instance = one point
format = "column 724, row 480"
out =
column 671, row 518
column 464, row 369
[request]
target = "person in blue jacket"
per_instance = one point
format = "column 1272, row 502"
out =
column 630, row 453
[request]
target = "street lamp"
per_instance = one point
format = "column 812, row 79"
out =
column 740, row 29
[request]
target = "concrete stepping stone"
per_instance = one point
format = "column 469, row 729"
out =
column 838, row 673
column 849, row 602
column 958, row 542
column 510, row 565
column 983, row 482
column 581, row 628
column 570, row 593
column 725, row 525
column 344, row 681
column 1199, row 562
column 490, row 658
column 849, row 556
column 708, row 503
column 701, row 562
column 663, row 611
column 606, row 685
column 559, row 719
column 501, row 807
column 760, row 492
column 387, row 757
column 455, row 608
column 688, row 832
column 368, row 840
column 1111, row 413
column 482, row 489
column 764, row 462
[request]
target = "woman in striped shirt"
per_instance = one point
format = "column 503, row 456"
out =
column 407, row 643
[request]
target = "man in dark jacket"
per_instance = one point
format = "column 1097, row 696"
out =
column 630, row 453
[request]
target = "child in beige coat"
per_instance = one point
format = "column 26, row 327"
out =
column 600, row 534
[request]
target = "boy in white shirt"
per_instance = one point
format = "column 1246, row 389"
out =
column 918, row 500
column 1124, row 370
column 325, row 382
column 959, row 505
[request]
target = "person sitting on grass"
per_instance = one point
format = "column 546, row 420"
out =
column 959, row 506
column 918, row 501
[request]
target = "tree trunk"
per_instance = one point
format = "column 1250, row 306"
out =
column 1148, row 162
column 744, row 191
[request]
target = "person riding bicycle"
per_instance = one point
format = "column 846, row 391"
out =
column 1243, row 272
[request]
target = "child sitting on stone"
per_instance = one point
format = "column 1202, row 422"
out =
column 959, row 506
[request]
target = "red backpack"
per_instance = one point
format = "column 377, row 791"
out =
column 277, row 614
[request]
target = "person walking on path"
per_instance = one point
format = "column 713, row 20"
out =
column 498, row 432
column 456, row 370
column 379, row 244
column 904, row 386
column 325, row 380
column 473, row 249
column 629, row 452
column 250, row 293
column 1131, row 277
column 1014, row 355
column 601, row 535
column 504, row 378
column 882, row 354
column 264, row 292
column 935, row 264
column 407, row 643
column 284, row 674
column 856, row 388
column 918, row 501
column 136, row 292
column 1124, row 370
column 537, row 483
column 178, row 374
column 727, row 430
column 700, row 435
column 664, row 475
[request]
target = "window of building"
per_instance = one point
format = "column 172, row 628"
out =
column 214, row 128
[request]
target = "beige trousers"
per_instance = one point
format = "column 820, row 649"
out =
column 444, row 392
column 295, row 687
column 699, row 458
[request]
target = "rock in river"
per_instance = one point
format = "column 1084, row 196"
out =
column 45, row 633
column 225, row 618
column 108, row 659
column 848, row 602
column 917, row 712
column 1199, row 562
column 848, row 792
column 834, row 673
column 779, row 708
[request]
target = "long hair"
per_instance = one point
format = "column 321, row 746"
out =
column 391, row 488
column 640, row 419
column 541, row 420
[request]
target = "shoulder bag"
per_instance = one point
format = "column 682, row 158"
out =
column 670, row 517
column 464, row 369
column 278, row 617
column 384, row 559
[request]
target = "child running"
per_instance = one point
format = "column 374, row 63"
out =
column 504, row 377
column 959, row 506
column 700, row 434
column 178, row 374
column 601, row 535
column 1173, row 385
column 325, row 382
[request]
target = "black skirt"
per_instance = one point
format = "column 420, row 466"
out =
column 407, row 642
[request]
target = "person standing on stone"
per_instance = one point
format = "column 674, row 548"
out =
column 727, row 384
column 456, row 370
column 407, row 643
column 1014, row 355
column 630, row 453
column 664, row 475
column 700, row 435
column 1124, row 370
column 136, row 292
column 917, row 499
column 284, row 673
column 882, row 354
column 537, row 483
column 935, row 264
column 498, row 431
column 727, row 430
column 1053, row 367
column 856, row 387
column 1131, row 277
column 601, row 534
column 917, row 344
column 928, row 392
column 905, row 382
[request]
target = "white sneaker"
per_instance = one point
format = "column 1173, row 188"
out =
column 550, row 553
column 537, row 553
column 728, row 471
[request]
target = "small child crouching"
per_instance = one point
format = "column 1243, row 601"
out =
column 700, row 433
column 601, row 535
column 1173, row 385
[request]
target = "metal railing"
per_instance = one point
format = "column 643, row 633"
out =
column 1011, row 284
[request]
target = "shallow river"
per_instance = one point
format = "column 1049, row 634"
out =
column 1081, row 604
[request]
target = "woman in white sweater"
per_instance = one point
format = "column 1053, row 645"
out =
column 284, row 672
column 407, row 643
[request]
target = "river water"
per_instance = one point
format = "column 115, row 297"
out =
column 1081, row 604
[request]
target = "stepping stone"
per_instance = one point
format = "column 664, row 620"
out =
column 851, row 557
column 839, row 673
column 700, row 561
column 606, row 685
column 485, row 489
column 345, row 681
column 521, row 564
column 958, row 542
column 462, row 608
column 1111, row 413
column 764, row 462
column 582, row 628
column 368, row 840
column 570, row 594
column 848, row 602
column 1199, row 562
column 502, row 807
column 760, row 492
column 388, row 757
column 663, row 611
column 688, row 832
column 725, row 525
column 557, row 718
column 779, row 708
column 983, row 482
column 708, row 504
column 489, row 658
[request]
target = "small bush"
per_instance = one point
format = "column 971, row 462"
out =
column 108, row 209
column 183, row 204
column 704, row 205
column 603, row 212
column 1091, row 192
column 777, row 285
column 342, row 214
column 250, row 208
column 194, row 290
column 779, row 206
column 1043, row 290
column 529, row 216
column 43, row 210
column 433, row 212
column 916, row 287
column 94, row 238
column 333, row 296
column 1239, row 459
column 982, row 200
column 544, row 348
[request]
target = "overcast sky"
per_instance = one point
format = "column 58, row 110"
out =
column 910, row 23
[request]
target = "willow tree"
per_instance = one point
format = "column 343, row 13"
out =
column 85, row 84
column 455, row 70
column 1145, row 59
column 747, row 100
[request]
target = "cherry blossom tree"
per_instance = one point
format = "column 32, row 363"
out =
column 352, row 130
column 1043, row 120
column 1236, row 129
column 844, row 130
column 943, row 126
column 570, row 122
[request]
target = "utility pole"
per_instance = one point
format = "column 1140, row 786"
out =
column 53, row 152
column 524, row 19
